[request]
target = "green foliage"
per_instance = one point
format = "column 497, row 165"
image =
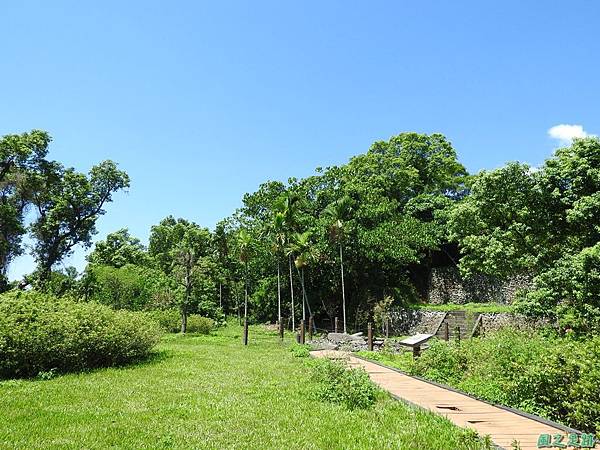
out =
column 170, row 321
column 21, row 157
column 299, row 350
column 129, row 287
column 339, row 384
column 39, row 333
column 69, row 204
column 119, row 249
column 469, row 307
column 553, row 377
column 569, row 291
column 199, row 325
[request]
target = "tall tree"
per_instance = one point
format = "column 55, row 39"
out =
column 20, row 158
column 336, row 215
column 118, row 249
column 180, row 248
column 68, row 204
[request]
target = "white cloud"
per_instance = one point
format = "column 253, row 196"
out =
column 566, row 133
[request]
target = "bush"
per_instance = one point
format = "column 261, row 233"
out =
column 170, row 321
column 39, row 333
column 199, row 324
column 557, row 378
column 299, row 350
column 338, row 384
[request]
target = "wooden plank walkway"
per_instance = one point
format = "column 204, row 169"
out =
column 503, row 426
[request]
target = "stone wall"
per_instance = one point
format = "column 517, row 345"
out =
column 447, row 286
column 413, row 321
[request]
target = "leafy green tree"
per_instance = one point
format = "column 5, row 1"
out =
column 118, row 249
column 21, row 156
column 129, row 287
column 179, row 247
column 68, row 205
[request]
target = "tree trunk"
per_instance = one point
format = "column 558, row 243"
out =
column 183, row 319
column 343, row 288
column 278, row 293
column 246, row 294
column 292, row 293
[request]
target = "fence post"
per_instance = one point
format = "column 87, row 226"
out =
column 245, row 331
column 387, row 327
column 310, row 328
column 335, row 327
column 302, row 331
column 446, row 331
column 370, row 337
column 457, row 331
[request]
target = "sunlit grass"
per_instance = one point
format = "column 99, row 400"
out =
column 208, row 392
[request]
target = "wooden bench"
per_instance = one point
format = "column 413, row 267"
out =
column 415, row 342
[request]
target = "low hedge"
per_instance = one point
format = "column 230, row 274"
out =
column 557, row 378
column 170, row 321
column 39, row 333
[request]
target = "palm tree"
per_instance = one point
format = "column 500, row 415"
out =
column 336, row 213
column 280, row 240
column 287, row 208
column 244, row 244
column 300, row 245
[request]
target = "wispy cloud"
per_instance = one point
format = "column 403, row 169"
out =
column 566, row 133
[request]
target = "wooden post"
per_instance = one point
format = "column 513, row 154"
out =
column 310, row 328
column 457, row 331
column 335, row 327
column 416, row 351
column 387, row 327
column 245, row 331
column 281, row 330
column 370, row 337
column 302, row 331
column 446, row 331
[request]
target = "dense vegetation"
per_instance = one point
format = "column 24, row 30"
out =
column 554, row 377
column 41, row 334
column 380, row 223
column 209, row 392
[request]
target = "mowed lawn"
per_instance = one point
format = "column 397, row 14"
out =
column 208, row 392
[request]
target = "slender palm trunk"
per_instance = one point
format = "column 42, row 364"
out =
column 305, row 303
column 278, row 293
column 246, row 293
column 292, row 293
column 343, row 288
column 303, row 296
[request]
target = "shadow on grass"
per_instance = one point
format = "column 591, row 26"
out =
column 153, row 358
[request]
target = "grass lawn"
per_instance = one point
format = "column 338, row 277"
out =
column 208, row 392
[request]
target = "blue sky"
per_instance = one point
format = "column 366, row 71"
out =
column 200, row 102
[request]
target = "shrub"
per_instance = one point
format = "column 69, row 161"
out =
column 299, row 350
column 199, row 324
column 170, row 321
column 338, row 384
column 557, row 378
column 41, row 334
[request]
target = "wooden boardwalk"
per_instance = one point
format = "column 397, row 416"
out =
column 503, row 426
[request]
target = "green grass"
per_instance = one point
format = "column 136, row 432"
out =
column 209, row 392
column 469, row 307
